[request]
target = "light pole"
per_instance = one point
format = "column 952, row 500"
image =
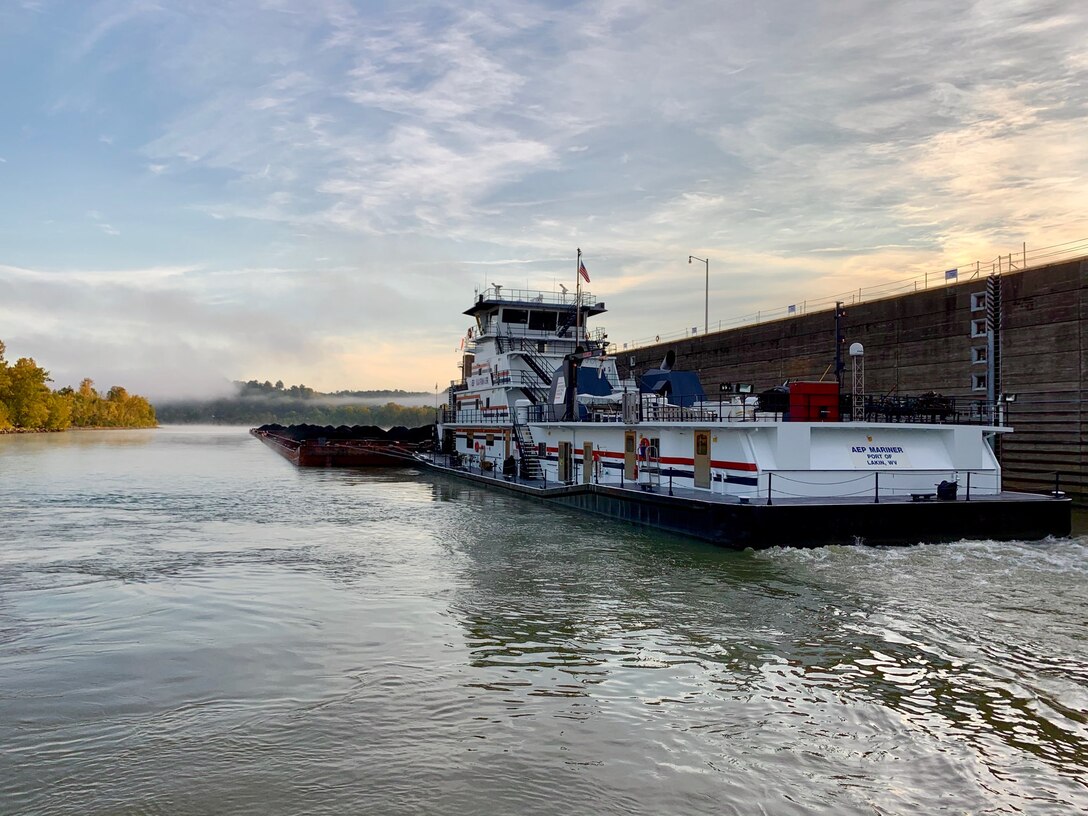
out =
column 706, row 311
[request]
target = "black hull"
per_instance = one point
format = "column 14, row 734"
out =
column 808, row 523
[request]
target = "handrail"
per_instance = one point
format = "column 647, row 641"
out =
column 526, row 379
column 921, row 410
column 1015, row 261
column 530, row 296
column 877, row 491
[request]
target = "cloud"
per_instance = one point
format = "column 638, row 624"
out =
column 505, row 261
column 805, row 149
column 440, row 146
column 448, row 122
column 165, row 323
column 135, row 278
column 112, row 16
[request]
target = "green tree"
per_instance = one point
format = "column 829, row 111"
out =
column 117, row 402
column 27, row 402
column 27, row 395
column 142, row 412
column 5, row 381
column 85, row 404
column 59, row 404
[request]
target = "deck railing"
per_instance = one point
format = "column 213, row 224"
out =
column 924, row 409
column 531, row 296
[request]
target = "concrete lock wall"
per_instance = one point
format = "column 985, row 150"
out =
column 930, row 340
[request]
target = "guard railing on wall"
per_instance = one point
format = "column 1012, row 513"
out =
column 1008, row 262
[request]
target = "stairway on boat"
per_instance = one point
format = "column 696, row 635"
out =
column 530, row 467
column 537, row 379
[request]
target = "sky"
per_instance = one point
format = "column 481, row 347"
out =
column 193, row 192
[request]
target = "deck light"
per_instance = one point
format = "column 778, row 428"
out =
column 706, row 308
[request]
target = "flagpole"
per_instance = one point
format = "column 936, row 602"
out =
column 578, row 299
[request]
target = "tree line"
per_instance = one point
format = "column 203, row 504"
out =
column 28, row 403
column 255, row 388
column 255, row 403
column 291, row 411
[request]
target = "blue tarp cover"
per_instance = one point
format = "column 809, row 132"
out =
column 684, row 387
column 589, row 382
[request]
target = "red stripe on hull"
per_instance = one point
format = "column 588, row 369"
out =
column 674, row 460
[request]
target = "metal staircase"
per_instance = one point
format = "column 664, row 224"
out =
column 536, row 381
column 538, row 363
column 530, row 467
column 568, row 321
column 649, row 470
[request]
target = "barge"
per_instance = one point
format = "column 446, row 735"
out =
column 358, row 446
column 541, row 410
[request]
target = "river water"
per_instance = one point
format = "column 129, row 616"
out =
column 190, row 625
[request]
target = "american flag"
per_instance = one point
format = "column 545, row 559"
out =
column 582, row 271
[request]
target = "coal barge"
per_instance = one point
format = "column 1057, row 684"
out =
column 346, row 446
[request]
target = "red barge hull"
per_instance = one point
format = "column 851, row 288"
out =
column 323, row 452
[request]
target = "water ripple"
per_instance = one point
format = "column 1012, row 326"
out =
column 190, row 625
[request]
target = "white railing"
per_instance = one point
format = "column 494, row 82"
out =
column 1002, row 264
column 531, row 296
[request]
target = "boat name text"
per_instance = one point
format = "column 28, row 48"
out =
column 869, row 456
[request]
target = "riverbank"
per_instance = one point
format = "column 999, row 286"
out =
column 13, row 431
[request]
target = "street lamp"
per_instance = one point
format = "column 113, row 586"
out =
column 706, row 312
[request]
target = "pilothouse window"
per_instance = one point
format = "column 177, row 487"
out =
column 543, row 321
column 516, row 316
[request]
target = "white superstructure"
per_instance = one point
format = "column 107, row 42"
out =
column 658, row 431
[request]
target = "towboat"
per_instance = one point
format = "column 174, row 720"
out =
column 542, row 409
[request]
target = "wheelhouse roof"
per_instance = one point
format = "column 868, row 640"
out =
column 521, row 299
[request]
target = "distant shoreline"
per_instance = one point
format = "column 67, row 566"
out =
column 14, row 431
